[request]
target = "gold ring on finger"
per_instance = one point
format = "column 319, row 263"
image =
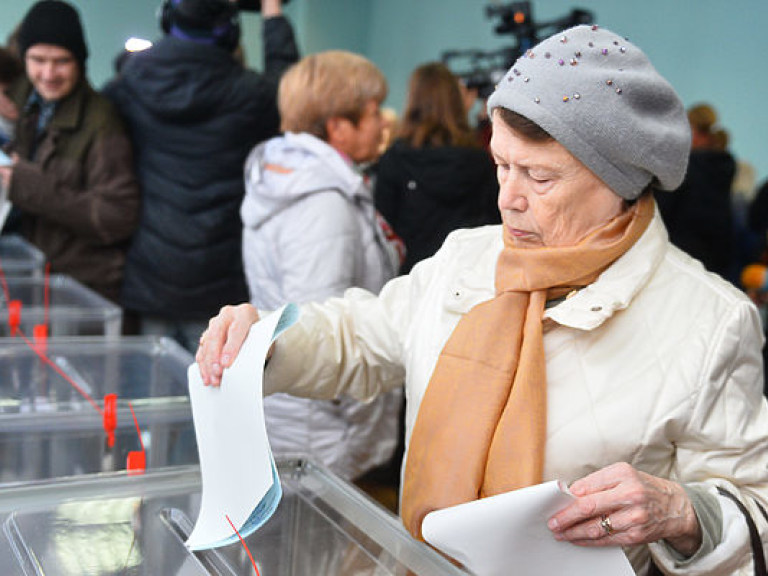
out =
column 605, row 524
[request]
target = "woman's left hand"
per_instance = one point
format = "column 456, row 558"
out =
column 621, row 506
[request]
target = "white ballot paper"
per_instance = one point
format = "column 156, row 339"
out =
column 507, row 534
column 240, row 481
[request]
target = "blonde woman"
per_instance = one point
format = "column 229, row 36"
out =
column 311, row 231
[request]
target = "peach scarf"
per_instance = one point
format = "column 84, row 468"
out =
column 481, row 427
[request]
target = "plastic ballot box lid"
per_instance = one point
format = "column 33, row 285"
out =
column 83, row 405
column 119, row 524
column 66, row 306
column 18, row 257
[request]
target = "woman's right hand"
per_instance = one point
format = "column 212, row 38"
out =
column 221, row 341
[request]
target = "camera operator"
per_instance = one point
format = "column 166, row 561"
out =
column 486, row 68
column 194, row 113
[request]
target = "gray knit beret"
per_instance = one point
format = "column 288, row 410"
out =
column 601, row 98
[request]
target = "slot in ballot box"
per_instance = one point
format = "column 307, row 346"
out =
column 18, row 257
column 118, row 524
column 69, row 307
column 52, row 409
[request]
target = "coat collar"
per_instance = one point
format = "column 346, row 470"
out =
column 586, row 309
column 618, row 285
column 68, row 111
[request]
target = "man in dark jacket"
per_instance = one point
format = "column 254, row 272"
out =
column 194, row 113
column 72, row 184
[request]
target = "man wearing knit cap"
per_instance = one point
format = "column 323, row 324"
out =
column 72, row 183
column 195, row 112
column 572, row 343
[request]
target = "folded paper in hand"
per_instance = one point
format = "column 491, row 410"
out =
column 507, row 534
column 239, row 476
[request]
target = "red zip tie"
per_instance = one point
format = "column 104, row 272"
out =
column 137, row 459
column 61, row 373
column 253, row 562
column 14, row 316
column 40, row 337
column 110, row 418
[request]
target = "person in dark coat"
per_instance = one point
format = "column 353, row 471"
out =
column 699, row 216
column 72, row 182
column 436, row 177
column 195, row 113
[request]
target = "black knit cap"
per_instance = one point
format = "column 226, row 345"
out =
column 53, row 22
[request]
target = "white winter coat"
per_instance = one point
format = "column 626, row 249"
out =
column 658, row 363
column 310, row 231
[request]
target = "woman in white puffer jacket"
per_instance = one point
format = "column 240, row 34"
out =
column 572, row 343
column 310, row 231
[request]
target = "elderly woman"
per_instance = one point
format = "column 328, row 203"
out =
column 572, row 342
column 310, row 231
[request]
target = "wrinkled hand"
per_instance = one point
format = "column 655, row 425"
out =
column 221, row 341
column 640, row 508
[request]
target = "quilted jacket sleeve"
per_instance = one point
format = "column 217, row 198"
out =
column 725, row 443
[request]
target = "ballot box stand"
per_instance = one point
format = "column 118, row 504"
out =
column 20, row 258
column 93, row 404
column 117, row 523
column 62, row 304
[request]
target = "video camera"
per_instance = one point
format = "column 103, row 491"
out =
column 482, row 70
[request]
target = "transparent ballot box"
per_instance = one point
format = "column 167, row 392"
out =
column 119, row 524
column 68, row 308
column 18, row 257
column 52, row 408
